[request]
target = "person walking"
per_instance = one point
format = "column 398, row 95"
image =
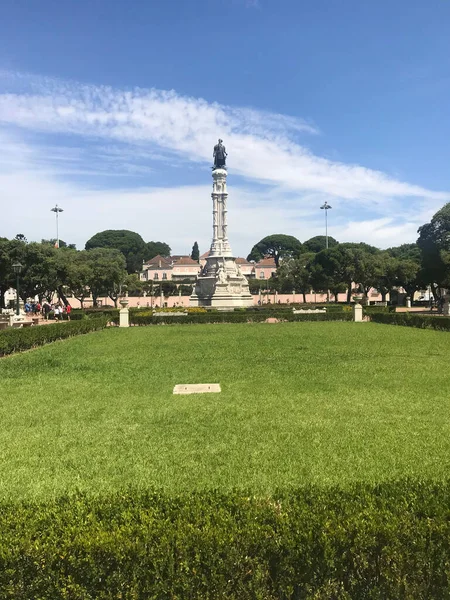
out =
column 45, row 310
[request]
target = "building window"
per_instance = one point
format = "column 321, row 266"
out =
column 156, row 276
column 261, row 275
column 164, row 275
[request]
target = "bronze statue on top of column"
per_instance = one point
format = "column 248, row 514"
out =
column 220, row 156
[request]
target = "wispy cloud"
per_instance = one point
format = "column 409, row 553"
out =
column 263, row 146
column 129, row 132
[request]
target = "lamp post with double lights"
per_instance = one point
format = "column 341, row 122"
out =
column 57, row 209
column 326, row 207
column 17, row 267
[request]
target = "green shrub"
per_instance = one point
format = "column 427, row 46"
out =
column 77, row 313
column 238, row 317
column 413, row 320
column 331, row 307
column 18, row 340
column 388, row 541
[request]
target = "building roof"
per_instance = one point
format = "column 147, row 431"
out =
column 185, row 260
column 266, row 262
column 159, row 262
column 243, row 261
column 204, row 255
column 177, row 257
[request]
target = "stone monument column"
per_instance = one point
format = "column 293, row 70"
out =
column 219, row 244
column 221, row 283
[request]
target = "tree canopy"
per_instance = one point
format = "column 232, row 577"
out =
column 434, row 244
column 318, row 243
column 277, row 246
column 129, row 243
column 153, row 249
column 195, row 254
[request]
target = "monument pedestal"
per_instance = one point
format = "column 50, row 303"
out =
column 221, row 283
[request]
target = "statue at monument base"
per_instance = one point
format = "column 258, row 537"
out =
column 221, row 285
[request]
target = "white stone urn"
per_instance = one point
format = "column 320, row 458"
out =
column 123, row 302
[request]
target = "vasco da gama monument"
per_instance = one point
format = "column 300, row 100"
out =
column 221, row 283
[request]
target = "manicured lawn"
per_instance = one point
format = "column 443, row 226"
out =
column 327, row 403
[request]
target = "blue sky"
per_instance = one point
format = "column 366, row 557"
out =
column 111, row 109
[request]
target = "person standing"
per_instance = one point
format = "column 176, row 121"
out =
column 45, row 310
column 68, row 311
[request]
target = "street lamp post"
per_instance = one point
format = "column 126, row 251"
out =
column 326, row 207
column 57, row 210
column 17, row 269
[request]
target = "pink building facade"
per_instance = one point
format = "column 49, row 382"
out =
column 174, row 268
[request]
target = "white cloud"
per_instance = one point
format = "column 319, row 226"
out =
column 118, row 133
column 262, row 145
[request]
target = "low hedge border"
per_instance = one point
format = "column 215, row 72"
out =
column 370, row 310
column 388, row 541
column 18, row 340
column 412, row 320
column 237, row 317
column 77, row 313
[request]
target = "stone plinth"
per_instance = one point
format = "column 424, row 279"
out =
column 357, row 313
column 124, row 314
column 446, row 306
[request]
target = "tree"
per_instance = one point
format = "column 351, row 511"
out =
column 195, row 254
column 133, row 285
column 62, row 243
column 169, row 288
column 278, row 246
column 363, row 264
column 129, row 243
column 79, row 276
column 6, row 270
column 107, row 273
column 295, row 274
column 254, row 285
column 387, row 277
column 410, row 274
column 332, row 269
column 434, row 244
column 152, row 249
column 39, row 274
column 21, row 238
column 318, row 243
column 186, row 290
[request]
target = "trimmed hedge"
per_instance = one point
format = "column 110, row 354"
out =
column 238, row 317
column 331, row 307
column 370, row 310
column 77, row 313
column 413, row 320
column 388, row 541
column 17, row 340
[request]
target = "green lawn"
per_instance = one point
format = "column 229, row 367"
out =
column 301, row 402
